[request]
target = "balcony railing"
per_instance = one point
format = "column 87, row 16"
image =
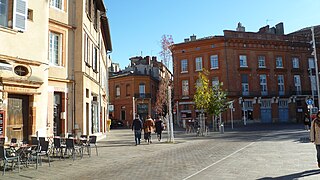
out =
column 142, row 95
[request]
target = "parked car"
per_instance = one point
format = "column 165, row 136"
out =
column 115, row 123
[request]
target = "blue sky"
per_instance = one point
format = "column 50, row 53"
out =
column 137, row 25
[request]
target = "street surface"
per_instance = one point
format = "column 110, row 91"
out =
column 269, row 151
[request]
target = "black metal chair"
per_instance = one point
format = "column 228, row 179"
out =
column 35, row 150
column 85, row 143
column 44, row 149
column 2, row 141
column 8, row 159
column 58, row 146
column 93, row 142
column 72, row 148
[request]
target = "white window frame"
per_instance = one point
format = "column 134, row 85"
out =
column 52, row 44
column 215, row 81
column 185, row 88
column 142, row 88
column 184, row 66
column 117, row 91
column 20, row 15
column 54, row 3
column 279, row 62
column 283, row 103
column 297, row 83
column 262, row 61
column 198, row 61
column 263, row 84
column 198, row 83
column 281, row 84
column 214, row 61
column 245, row 88
column 295, row 62
column 313, row 84
column 311, row 63
column 265, row 103
column 94, row 58
column 243, row 60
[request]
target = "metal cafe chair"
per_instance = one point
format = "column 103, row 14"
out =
column 44, row 151
column 93, row 142
column 72, row 148
column 2, row 140
column 85, row 143
column 8, row 159
column 35, row 150
column 57, row 146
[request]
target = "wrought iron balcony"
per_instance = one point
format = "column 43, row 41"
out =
column 142, row 95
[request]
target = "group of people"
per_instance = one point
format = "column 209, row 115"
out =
column 148, row 127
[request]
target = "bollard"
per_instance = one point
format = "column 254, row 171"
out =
column 221, row 128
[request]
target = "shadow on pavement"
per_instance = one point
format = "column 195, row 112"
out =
column 295, row 175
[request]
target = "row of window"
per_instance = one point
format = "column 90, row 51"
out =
column 214, row 62
column 263, row 84
column 14, row 15
column 142, row 89
column 91, row 53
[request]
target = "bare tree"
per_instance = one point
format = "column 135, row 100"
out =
column 162, row 94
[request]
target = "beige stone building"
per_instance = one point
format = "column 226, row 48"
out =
column 53, row 67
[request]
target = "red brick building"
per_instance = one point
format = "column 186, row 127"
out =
column 264, row 73
column 134, row 89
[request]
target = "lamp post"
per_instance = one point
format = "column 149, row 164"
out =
column 316, row 63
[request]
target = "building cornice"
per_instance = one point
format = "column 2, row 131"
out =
column 21, row 60
column 61, row 24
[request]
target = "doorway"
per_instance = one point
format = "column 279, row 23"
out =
column 57, row 107
column 18, row 117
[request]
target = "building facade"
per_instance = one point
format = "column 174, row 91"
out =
column 267, row 75
column 134, row 89
column 40, row 79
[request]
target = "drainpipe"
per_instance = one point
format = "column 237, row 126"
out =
column 72, row 69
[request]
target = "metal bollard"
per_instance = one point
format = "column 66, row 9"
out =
column 221, row 128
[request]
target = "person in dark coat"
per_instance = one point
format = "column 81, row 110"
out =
column 137, row 127
column 159, row 128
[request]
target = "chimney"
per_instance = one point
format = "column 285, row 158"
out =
column 154, row 58
column 147, row 60
column 186, row 40
column 264, row 29
column 241, row 28
column 193, row 37
column 279, row 29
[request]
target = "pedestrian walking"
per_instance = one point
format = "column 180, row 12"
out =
column 149, row 125
column 315, row 135
column 306, row 121
column 108, row 124
column 159, row 128
column 137, row 127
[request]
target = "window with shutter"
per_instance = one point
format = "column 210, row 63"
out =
column 20, row 15
column 4, row 13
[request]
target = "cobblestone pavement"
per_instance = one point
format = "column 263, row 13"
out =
column 278, row 151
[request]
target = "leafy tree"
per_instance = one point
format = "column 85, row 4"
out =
column 211, row 99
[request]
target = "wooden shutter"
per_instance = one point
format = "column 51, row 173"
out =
column 20, row 13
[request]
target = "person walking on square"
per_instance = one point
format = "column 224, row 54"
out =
column 149, row 128
column 108, row 124
column 159, row 128
column 137, row 127
column 315, row 135
column 306, row 121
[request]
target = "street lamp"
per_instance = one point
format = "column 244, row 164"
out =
column 314, row 53
column 242, row 101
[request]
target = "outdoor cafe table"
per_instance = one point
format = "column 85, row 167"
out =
column 25, row 152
